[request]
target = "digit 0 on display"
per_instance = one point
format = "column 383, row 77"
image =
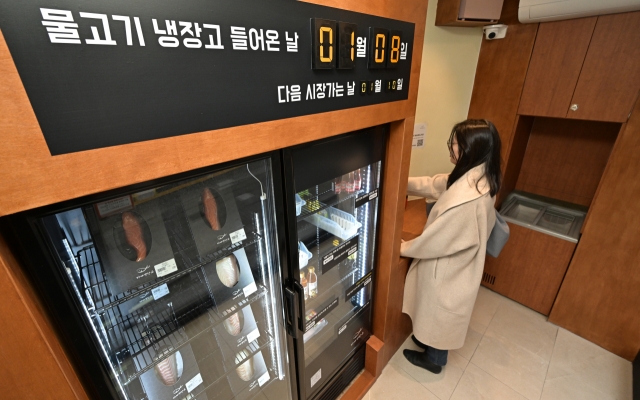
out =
column 378, row 47
column 324, row 43
column 393, row 50
column 347, row 45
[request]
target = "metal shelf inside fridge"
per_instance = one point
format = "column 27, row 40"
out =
column 144, row 328
column 318, row 203
column 261, row 343
column 97, row 295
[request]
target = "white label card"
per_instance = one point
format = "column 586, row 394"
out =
column 237, row 236
column 166, row 268
column 193, row 383
column 250, row 288
column 251, row 336
column 114, row 206
column 160, row 291
column 264, row 378
column 316, row 377
column 419, row 133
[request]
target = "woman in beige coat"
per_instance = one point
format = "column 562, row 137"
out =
column 444, row 278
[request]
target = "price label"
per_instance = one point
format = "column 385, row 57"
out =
column 166, row 268
column 264, row 378
column 249, row 289
column 193, row 383
column 160, row 291
column 112, row 207
column 251, row 336
column 237, row 236
column 316, row 377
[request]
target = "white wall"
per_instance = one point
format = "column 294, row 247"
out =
column 449, row 61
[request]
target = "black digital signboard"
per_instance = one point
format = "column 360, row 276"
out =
column 106, row 73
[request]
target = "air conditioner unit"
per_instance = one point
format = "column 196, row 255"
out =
column 554, row 10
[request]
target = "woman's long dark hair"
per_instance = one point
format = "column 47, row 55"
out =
column 478, row 143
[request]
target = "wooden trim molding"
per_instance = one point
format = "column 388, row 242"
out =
column 34, row 363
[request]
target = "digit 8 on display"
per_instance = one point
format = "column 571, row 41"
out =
column 323, row 40
column 395, row 42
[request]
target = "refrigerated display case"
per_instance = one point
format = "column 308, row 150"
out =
column 186, row 288
column 334, row 232
column 174, row 291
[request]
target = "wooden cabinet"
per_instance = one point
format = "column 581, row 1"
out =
column 530, row 268
column 584, row 69
column 599, row 298
column 595, row 65
column 610, row 78
column 555, row 66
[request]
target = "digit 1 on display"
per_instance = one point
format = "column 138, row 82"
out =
column 395, row 42
column 347, row 45
column 323, row 43
column 378, row 44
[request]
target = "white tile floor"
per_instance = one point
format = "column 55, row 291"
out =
column 511, row 352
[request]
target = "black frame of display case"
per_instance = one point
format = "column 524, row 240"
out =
column 25, row 233
column 359, row 149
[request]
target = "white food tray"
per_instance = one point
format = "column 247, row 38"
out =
column 336, row 222
column 304, row 255
column 299, row 204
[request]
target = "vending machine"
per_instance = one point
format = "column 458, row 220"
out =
column 335, row 185
column 172, row 290
column 248, row 280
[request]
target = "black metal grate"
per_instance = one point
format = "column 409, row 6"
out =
column 343, row 378
column 488, row 278
column 142, row 337
column 99, row 298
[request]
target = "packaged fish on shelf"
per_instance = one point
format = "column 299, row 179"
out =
column 230, row 279
column 174, row 376
column 132, row 245
column 239, row 328
column 212, row 213
column 250, row 374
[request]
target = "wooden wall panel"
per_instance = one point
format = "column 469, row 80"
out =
column 600, row 297
column 555, row 66
column 399, row 324
column 395, row 178
column 530, row 268
column 415, row 218
column 610, row 77
column 565, row 158
column 502, row 68
column 32, row 363
column 515, row 156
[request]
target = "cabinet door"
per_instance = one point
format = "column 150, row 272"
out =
column 599, row 297
column 555, row 67
column 610, row 78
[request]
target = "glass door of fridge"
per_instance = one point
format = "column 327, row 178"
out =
column 336, row 230
column 181, row 286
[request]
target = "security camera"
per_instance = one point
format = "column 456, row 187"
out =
column 495, row 31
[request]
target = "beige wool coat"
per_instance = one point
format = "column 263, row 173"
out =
column 444, row 277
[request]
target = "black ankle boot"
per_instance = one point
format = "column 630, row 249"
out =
column 418, row 343
column 420, row 359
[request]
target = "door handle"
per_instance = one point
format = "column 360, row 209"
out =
column 291, row 312
column 300, row 290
